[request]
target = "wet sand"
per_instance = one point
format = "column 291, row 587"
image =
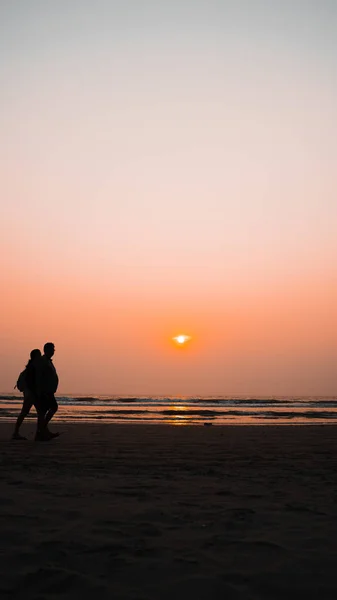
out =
column 143, row 512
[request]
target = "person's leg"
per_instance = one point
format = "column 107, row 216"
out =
column 16, row 435
column 26, row 406
column 41, row 405
column 46, row 407
column 41, row 420
column 53, row 406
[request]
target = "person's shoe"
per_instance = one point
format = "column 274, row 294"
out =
column 41, row 437
column 17, row 436
column 52, row 434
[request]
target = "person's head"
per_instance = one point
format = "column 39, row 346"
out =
column 49, row 349
column 36, row 353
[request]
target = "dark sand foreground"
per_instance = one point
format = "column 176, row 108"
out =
column 160, row 512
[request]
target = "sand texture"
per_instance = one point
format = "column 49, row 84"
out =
column 142, row 512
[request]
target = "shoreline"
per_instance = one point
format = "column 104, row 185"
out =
column 56, row 422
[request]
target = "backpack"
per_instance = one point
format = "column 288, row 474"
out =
column 21, row 382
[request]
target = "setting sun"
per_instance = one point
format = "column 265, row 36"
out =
column 182, row 339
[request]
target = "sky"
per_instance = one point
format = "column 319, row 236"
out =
column 169, row 168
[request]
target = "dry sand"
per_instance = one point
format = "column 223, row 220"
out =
column 159, row 512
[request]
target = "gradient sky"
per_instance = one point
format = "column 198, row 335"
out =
column 166, row 168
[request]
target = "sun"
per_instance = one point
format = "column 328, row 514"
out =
column 181, row 339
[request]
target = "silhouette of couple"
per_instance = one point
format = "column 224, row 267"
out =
column 39, row 385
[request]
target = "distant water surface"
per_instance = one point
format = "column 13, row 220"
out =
column 183, row 410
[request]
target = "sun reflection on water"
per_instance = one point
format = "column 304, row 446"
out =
column 179, row 417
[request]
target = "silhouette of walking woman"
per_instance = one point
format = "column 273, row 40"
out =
column 29, row 391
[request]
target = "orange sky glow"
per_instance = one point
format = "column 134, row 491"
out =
column 170, row 171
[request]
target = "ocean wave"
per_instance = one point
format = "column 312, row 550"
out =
column 184, row 409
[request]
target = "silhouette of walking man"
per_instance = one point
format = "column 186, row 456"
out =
column 46, row 384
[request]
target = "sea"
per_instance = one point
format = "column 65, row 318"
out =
column 186, row 410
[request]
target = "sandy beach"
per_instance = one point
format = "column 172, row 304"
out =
column 135, row 512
